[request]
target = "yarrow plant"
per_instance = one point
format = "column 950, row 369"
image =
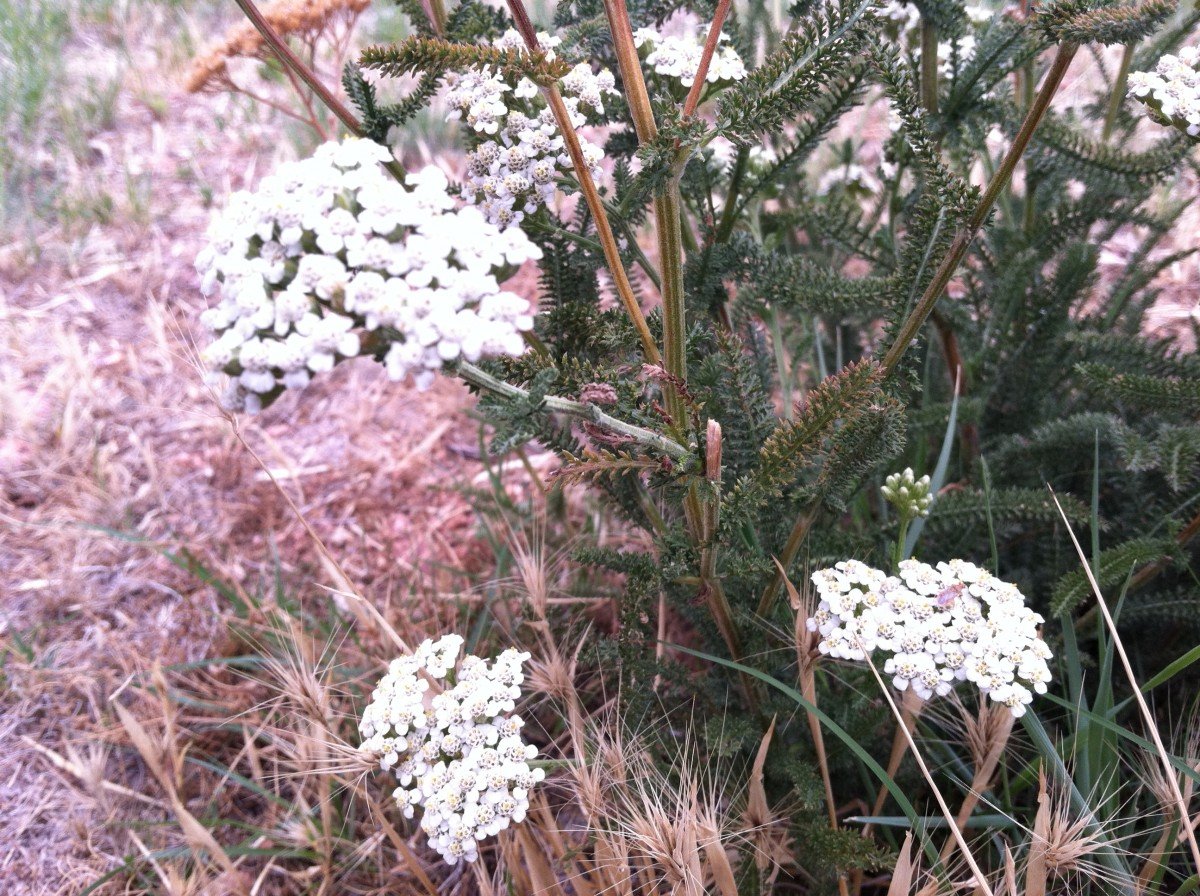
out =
column 934, row 626
column 1171, row 92
column 457, row 752
column 740, row 331
column 512, row 172
column 331, row 258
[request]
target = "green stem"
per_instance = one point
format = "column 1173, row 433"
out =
column 729, row 212
column 967, row 232
column 612, row 253
column 781, row 364
column 929, row 66
column 1118, row 92
column 791, row 548
column 901, row 537
column 667, row 211
column 437, row 17
column 590, row 412
column 667, row 214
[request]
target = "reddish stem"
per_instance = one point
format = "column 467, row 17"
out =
column 710, row 47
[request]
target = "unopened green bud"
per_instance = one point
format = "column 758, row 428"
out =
column 910, row 496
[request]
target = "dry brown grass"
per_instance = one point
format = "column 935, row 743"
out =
column 105, row 428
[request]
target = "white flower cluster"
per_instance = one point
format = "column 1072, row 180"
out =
column 511, row 173
column 679, row 57
column 1172, row 90
column 458, row 754
column 332, row 257
column 934, row 627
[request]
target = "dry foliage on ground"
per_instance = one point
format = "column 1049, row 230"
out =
column 112, row 451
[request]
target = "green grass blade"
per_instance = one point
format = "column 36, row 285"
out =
column 938, row 479
column 835, row 729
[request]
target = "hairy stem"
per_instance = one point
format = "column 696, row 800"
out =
column 968, row 231
column 667, row 212
column 612, row 254
column 590, row 412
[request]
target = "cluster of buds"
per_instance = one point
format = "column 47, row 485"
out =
column 332, row 257
column 1171, row 92
column 910, row 496
column 512, row 172
column 679, row 57
column 933, row 627
column 457, row 753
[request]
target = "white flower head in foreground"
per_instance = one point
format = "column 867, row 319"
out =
column 1172, row 91
column 458, row 753
column 679, row 56
column 332, row 257
column 934, row 626
column 512, row 172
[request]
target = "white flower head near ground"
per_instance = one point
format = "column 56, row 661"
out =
column 1172, row 91
column 458, row 754
column 512, row 172
column 332, row 257
column 934, row 627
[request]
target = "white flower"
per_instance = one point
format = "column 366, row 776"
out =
column 932, row 627
column 1171, row 92
column 679, row 57
column 459, row 755
column 511, row 174
column 386, row 255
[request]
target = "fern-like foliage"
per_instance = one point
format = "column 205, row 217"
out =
column 789, row 82
column 1104, row 22
column 1116, row 565
column 434, row 56
column 1143, row 390
column 795, row 444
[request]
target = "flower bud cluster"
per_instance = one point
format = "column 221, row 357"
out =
column 458, row 754
column 332, row 257
column 679, row 57
column 512, row 172
column 933, row 627
column 910, row 496
column 1172, row 91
